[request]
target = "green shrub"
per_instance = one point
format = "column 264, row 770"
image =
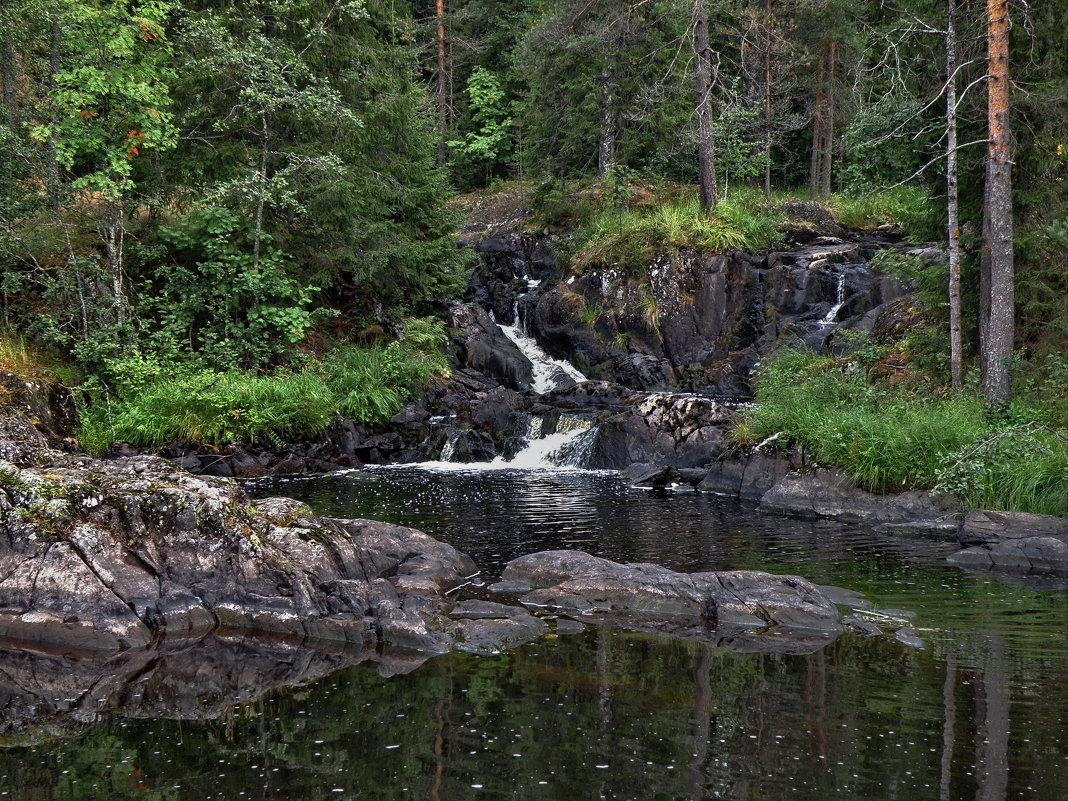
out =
column 209, row 407
column 889, row 440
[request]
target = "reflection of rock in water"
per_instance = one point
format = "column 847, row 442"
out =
column 43, row 692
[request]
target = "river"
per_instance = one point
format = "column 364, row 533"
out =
column 980, row 712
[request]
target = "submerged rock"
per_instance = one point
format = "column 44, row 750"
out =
column 741, row 610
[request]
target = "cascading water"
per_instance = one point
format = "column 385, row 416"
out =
column 839, row 302
column 564, row 448
column 548, row 373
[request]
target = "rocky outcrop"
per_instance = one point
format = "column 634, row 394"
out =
column 700, row 321
column 1016, row 542
column 109, row 555
column 740, row 610
column 680, row 431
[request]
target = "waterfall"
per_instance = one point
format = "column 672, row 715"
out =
column 548, row 373
column 839, row 302
column 564, row 448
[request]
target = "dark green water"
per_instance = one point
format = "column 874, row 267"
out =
column 980, row 713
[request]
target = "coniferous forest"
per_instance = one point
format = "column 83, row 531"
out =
column 228, row 221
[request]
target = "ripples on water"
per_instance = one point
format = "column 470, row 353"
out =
column 979, row 713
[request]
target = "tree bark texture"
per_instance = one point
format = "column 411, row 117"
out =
column 606, row 142
column 953, row 232
column 817, row 130
column 443, row 86
column 705, row 140
column 996, row 380
column 767, row 99
column 828, row 129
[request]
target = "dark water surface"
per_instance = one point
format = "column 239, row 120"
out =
column 980, row 713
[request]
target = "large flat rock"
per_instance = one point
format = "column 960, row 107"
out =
column 738, row 609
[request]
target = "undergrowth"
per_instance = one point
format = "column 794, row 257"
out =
column 208, row 407
column 889, row 440
column 631, row 236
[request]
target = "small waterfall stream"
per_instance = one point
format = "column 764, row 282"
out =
column 548, row 373
column 565, row 447
column 839, row 301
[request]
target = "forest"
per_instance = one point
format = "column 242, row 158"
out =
column 228, row 221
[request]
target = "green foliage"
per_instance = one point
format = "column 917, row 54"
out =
column 887, row 439
column 910, row 207
column 1024, row 466
column 631, row 237
column 211, row 300
column 880, row 147
column 488, row 144
column 159, row 403
column 112, row 102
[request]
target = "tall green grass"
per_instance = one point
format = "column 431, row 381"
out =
column 631, row 237
column 908, row 206
column 207, row 407
column 888, row 440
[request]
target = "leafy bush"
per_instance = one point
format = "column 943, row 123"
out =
column 886, row 439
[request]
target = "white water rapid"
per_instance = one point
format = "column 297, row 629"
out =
column 564, row 448
column 839, row 302
column 548, row 373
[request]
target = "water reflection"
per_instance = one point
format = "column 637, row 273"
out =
column 979, row 714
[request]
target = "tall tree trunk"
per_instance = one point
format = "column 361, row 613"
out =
column 443, row 86
column 817, row 131
column 828, row 129
column 767, row 99
column 996, row 381
column 706, row 153
column 261, row 192
column 52, row 155
column 606, row 142
column 951, row 200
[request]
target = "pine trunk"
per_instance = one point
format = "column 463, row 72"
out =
column 817, row 132
column 996, row 381
column 705, row 141
column 953, row 232
column 767, row 100
column 443, row 86
column 828, row 129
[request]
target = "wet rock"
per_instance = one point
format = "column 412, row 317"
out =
column 862, row 625
column 741, row 610
column 566, row 626
column 105, row 555
column 481, row 346
column 1027, row 555
column 747, row 477
column 649, row 475
column 831, row 493
column 985, row 527
column 485, row 633
column 907, row 635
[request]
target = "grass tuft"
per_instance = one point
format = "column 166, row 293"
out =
column 887, row 440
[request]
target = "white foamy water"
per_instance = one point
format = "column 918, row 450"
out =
column 549, row 373
column 563, row 449
column 839, row 302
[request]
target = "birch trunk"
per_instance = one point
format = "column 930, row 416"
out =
column 952, row 212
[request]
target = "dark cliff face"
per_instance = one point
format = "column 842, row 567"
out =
column 689, row 321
